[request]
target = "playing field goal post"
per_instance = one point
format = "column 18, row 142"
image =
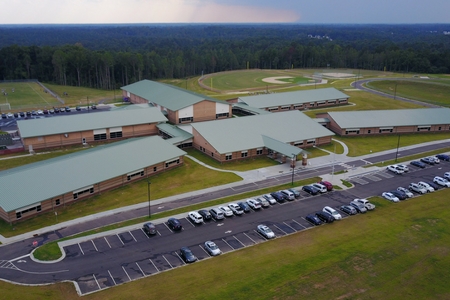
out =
column 5, row 106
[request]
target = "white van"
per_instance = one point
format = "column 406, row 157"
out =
column 288, row 194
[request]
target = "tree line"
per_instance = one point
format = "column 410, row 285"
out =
column 185, row 51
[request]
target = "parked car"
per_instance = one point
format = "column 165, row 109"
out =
column 265, row 231
column 427, row 160
column 39, row 112
column 366, row 203
column 327, row 184
column 51, row 111
column 226, row 211
column 67, row 109
column 406, row 191
column 253, row 204
column 389, row 196
column 288, row 195
column 57, row 110
column 45, row 111
column 206, row 215
column 394, row 169
column 403, row 167
column 187, row 255
column 350, row 210
column 174, row 224
column 312, row 218
column 16, row 115
column 310, row 189
column 320, row 187
column 443, row 157
column 195, row 217
column 3, row 116
column 236, row 209
column 435, row 159
column 149, row 228
column 416, row 188
column 426, row 186
column 244, row 206
column 324, row 216
column 263, row 202
column 216, row 213
column 295, row 191
column 417, row 163
column 279, row 197
column 333, row 212
column 22, row 114
column 447, row 175
column 78, row 108
column 212, row 248
column 9, row 115
column 435, row 186
column 441, row 181
column 359, row 207
column 269, row 198
column 93, row 106
column 400, row 195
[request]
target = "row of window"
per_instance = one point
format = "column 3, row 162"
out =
column 311, row 104
column 35, row 208
column 86, row 191
column 112, row 135
column 390, row 130
column 140, row 173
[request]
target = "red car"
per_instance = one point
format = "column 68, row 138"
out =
column 328, row 185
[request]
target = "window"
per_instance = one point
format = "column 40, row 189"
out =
column 18, row 215
column 298, row 144
column 222, row 115
column 139, row 173
column 368, row 131
column 154, row 169
column 115, row 135
column 285, row 108
column 228, row 156
column 212, row 154
column 37, row 208
column 99, row 137
column 57, row 202
column 175, row 161
column 352, row 132
column 385, row 130
column 244, row 154
column 439, row 128
column 187, row 119
column 311, row 142
column 88, row 190
column 259, row 151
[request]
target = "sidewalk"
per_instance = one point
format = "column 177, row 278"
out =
column 247, row 177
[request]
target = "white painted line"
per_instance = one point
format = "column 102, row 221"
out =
column 299, row 223
column 168, row 227
column 112, row 277
column 201, row 247
column 80, row 248
column 239, row 241
column 190, row 222
column 133, row 236
column 97, row 282
column 17, row 258
column 107, row 242
column 145, row 233
column 140, row 269
column 158, row 232
column 126, row 273
column 280, row 229
column 227, row 244
column 94, row 245
column 180, row 258
column 119, row 239
column 153, row 265
column 168, row 261
column 260, row 234
column 289, row 226
column 250, row 238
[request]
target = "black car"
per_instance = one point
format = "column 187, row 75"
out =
column 434, row 185
column 187, row 255
column 310, row 189
column 16, row 115
column 244, row 206
column 3, row 116
column 443, row 157
column 417, row 163
column 325, row 217
column 427, row 160
column 56, row 109
column 149, row 228
column 313, row 219
column 399, row 194
column 67, row 109
column 174, row 224
column 349, row 210
column 78, row 108
column 94, row 106
column 278, row 196
column 205, row 214
column 22, row 114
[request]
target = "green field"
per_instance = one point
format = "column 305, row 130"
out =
column 26, row 96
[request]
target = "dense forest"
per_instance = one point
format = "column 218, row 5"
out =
column 110, row 56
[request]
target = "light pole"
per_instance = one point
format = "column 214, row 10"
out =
column 148, row 192
column 293, row 167
column 398, row 145
column 395, row 90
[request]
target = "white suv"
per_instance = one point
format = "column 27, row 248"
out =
column 366, row 203
column 426, row 186
column 333, row 212
column 195, row 217
column 416, row 188
column 441, row 181
column 395, row 169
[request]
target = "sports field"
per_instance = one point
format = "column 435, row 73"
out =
column 26, row 96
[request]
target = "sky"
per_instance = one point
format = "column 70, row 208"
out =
column 224, row 11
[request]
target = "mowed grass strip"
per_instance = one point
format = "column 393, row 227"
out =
column 399, row 251
column 26, row 96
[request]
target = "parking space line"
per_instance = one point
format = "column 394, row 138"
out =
column 96, row 282
column 227, row 244
column 288, row 226
column 180, row 258
column 201, row 247
column 133, row 236
column 119, row 238
column 168, row 227
column 280, row 229
column 107, row 242
column 168, row 261
column 129, row 278
column 299, row 223
column 80, row 248
column 145, row 233
column 94, row 245
column 112, row 277
column 140, row 269
column 154, row 265
column 260, row 235
column 239, row 241
column 250, row 238
column 190, row 222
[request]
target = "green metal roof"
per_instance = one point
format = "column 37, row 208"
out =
column 256, row 111
column 243, row 133
column 395, row 117
column 88, row 121
column 297, row 97
column 281, row 147
column 165, row 95
column 177, row 135
column 30, row 184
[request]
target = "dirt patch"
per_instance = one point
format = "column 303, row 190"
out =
column 276, row 80
column 338, row 75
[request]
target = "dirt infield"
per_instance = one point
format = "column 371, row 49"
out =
column 337, row 75
column 276, row 80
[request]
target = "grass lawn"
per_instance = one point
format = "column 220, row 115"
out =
column 398, row 251
column 26, row 96
column 362, row 145
column 177, row 181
